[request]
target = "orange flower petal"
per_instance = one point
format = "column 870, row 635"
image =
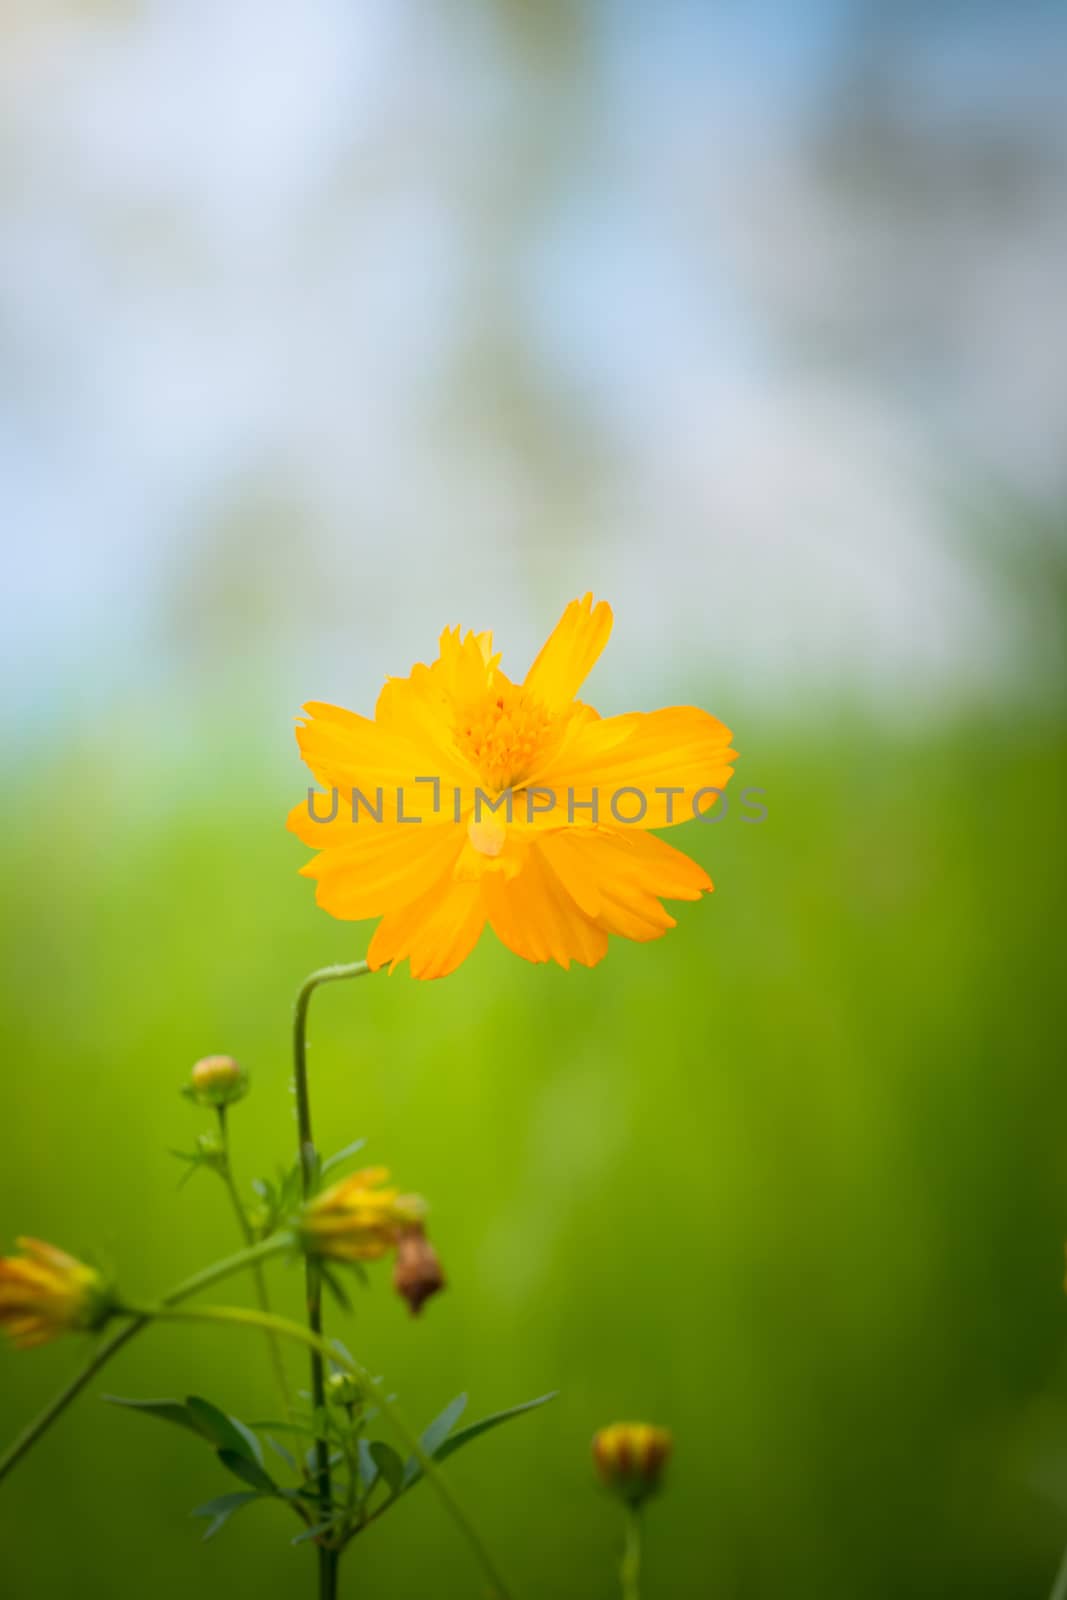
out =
column 435, row 932
column 570, row 652
column 619, row 878
column 536, row 918
column 347, row 752
column 385, row 868
column 680, row 748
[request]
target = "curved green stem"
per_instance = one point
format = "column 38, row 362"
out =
column 630, row 1570
column 245, row 1316
column 258, row 1276
column 111, row 1347
column 1059, row 1587
column 351, row 969
column 313, row 1277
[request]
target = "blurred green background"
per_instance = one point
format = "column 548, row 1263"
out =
column 322, row 328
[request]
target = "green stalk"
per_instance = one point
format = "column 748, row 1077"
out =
column 258, row 1276
column 630, row 1569
column 1059, row 1588
column 245, row 1316
column 328, row 1559
column 111, row 1347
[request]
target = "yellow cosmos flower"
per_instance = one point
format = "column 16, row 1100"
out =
column 469, row 799
column 360, row 1218
column 630, row 1457
column 44, row 1292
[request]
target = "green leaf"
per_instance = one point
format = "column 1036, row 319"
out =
column 436, row 1433
column 311, row 1533
column 276, row 1425
column 165, row 1410
column 291, row 1187
column 368, row 1467
column 248, row 1471
column 221, row 1509
column 388, row 1464
column 286, row 1455
column 225, row 1432
column 249, row 1437
column 342, row 1155
column 335, row 1286
column 472, row 1431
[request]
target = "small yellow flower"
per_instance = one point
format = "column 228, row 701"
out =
column 630, row 1457
column 217, row 1081
column 533, row 813
column 44, row 1292
column 358, row 1219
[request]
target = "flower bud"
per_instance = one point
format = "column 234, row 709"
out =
column 344, row 1389
column 630, row 1458
column 44, row 1292
column 217, row 1081
column 358, row 1219
column 417, row 1274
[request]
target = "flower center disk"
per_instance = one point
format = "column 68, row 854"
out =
column 501, row 734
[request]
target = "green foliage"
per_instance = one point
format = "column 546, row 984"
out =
column 280, row 1198
column 222, row 1508
column 367, row 1463
column 339, row 1158
column 207, row 1155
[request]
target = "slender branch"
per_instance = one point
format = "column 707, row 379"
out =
column 111, row 1347
column 312, row 1274
column 258, row 1276
column 245, row 1316
column 276, row 1245
column 59, row 1403
column 630, row 1570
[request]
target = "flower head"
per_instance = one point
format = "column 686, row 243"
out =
column 532, row 812
column 630, row 1458
column 217, row 1081
column 44, row 1292
column 358, row 1219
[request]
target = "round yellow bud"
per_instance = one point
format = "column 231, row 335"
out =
column 630, row 1458
column 217, row 1081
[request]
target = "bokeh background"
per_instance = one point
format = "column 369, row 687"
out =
column 325, row 325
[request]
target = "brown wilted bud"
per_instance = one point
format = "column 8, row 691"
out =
column 417, row 1274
